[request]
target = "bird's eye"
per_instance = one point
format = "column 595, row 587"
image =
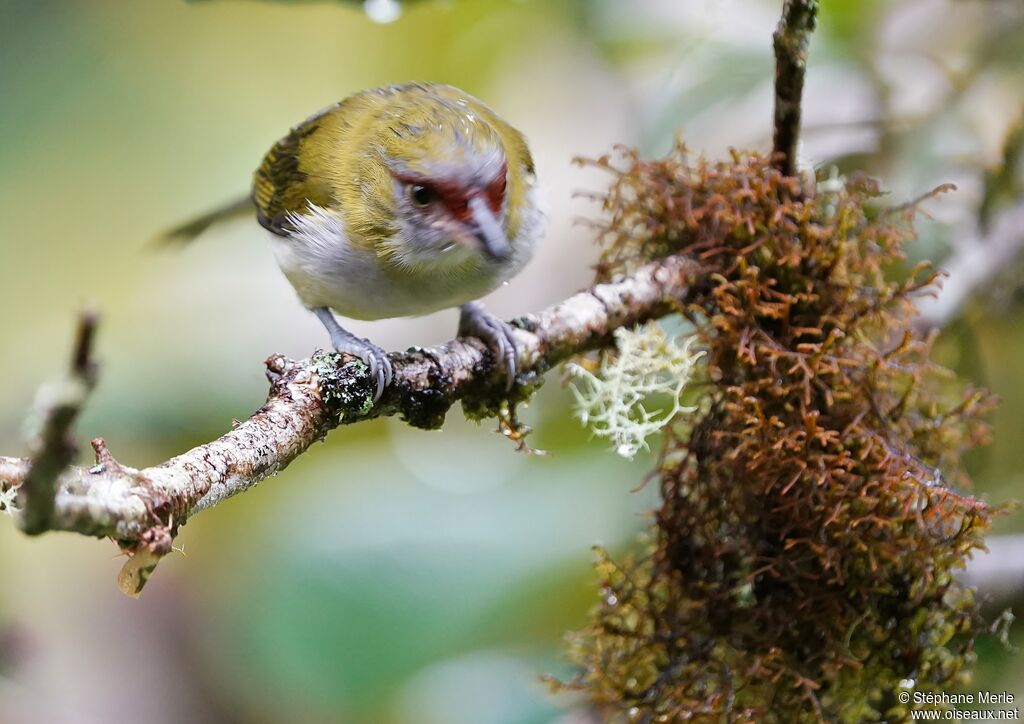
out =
column 421, row 195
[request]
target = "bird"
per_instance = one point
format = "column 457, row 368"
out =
column 397, row 201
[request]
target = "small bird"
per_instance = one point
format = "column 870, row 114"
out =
column 397, row 201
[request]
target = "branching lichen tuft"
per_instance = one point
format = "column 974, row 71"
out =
column 8, row 500
column 645, row 364
column 802, row 564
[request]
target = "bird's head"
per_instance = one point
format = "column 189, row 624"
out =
column 454, row 177
column 444, row 206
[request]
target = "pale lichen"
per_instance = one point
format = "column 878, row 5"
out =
column 646, row 364
column 9, row 500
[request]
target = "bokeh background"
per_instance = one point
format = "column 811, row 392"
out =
column 392, row 575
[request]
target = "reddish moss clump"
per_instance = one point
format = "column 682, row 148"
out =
column 802, row 563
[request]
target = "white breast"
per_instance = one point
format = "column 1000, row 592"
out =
column 329, row 271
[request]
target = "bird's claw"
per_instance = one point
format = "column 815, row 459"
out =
column 380, row 368
column 375, row 359
column 496, row 333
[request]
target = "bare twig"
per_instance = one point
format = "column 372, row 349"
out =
column 914, row 204
column 790, row 41
column 142, row 509
column 53, row 447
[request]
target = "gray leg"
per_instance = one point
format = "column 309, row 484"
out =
column 373, row 356
column 475, row 321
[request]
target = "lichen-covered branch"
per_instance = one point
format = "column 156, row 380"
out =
column 790, row 42
column 142, row 509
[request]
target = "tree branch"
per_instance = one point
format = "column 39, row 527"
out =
column 142, row 509
column 790, row 42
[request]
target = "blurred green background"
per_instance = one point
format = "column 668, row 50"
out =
column 392, row 575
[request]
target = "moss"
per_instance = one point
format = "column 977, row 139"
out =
column 426, row 408
column 488, row 400
column 802, row 563
column 487, row 397
column 348, row 395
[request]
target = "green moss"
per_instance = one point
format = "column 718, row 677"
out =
column 426, row 408
column 345, row 388
column 802, row 563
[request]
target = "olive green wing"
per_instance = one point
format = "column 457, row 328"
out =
column 283, row 185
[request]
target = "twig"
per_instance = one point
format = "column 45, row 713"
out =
column 53, row 447
column 142, row 509
column 790, row 42
column 913, row 205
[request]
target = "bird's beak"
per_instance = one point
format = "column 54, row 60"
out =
column 487, row 230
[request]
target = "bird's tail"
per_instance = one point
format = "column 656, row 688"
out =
column 188, row 231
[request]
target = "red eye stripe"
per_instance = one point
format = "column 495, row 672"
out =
column 455, row 198
column 496, row 191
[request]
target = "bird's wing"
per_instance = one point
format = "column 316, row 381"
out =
column 282, row 185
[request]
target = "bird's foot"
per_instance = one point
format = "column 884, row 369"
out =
column 375, row 358
column 498, row 335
